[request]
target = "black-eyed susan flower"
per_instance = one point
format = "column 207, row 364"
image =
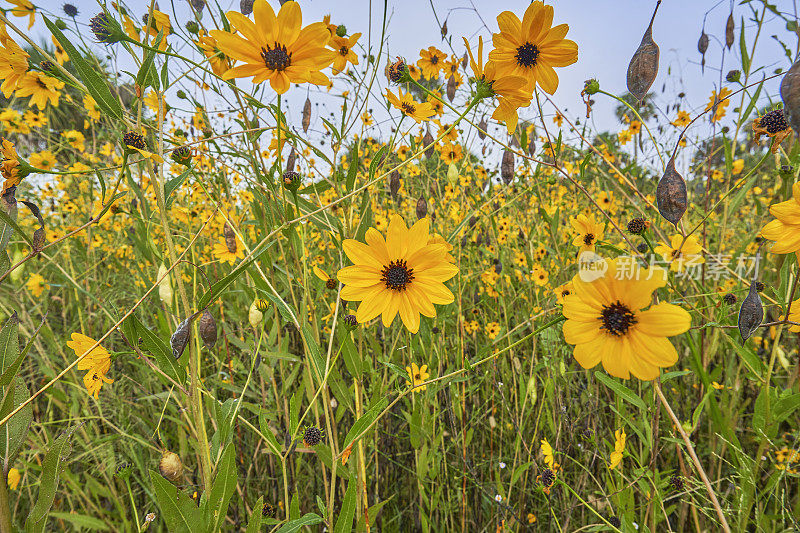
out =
column 681, row 253
column 96, row 360
column 607, row 323
column 403, row 274
column 562, row 291
column 276, row 48
column 36, row 284
column 405, row 102
column 683, row 119
column 773, row 124
column 44, row 160
column 589, row 232
column 721, row 101
column 418, row 374
column 785, row 229
column 531, row 48
column 549, row 457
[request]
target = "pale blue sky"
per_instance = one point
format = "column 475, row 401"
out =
column 607, row 33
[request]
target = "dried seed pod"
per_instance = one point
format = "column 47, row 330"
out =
column 290, row 161
column 464, row 61
column 246, row 7
column 444, row 29
column 427, row 140
column 507, row 166
column 208, row 329
column 180, row 338
column 751, row 313
column 671, row 195
column 643, row 67
column 422, row 208
column 482, row 125
column 394, row 184
column 171, row 467
column 451, row 88
column 702, row 46
column 230, row 237
column 306, row 115
column 790, row 94
column 38, row 240
column 729, row 31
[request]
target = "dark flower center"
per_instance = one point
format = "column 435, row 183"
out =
column 397, row 275
column 527, row 55
column 588, row 239
column 774, row 121
column 344, row 50
column 277, row 58
column 617, row 318
column 418, row 377
column 434, row 60
column 407, row 108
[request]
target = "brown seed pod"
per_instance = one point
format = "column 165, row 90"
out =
column 422, row 208
column 643, row 68
column 246, row 7
column 180, row 338
column 394, row 184
column 702, row 46
column 230, row 237
column 790, row 94
column 751, row 313
column 306, row 115
column 464, row 61
column 38, row 240
column 171, row 467
column 729, row 31
column 290, row 161
column 208, row 329
column 532, row 147
column 507, row 166
column 482, row 125
column 451, row 88
column 444, row 29
column 671, row 194
column 427, row 140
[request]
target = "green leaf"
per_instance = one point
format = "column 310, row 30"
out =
column 9, row 344
column 82, row 521
column 371, row 515
column 51, row 469
column 254, row 524
column 179, row 511
column 365, row 421
column 621, row 390
column 784, row 407
column 308, row 519
column 172, row 185
column 154, row 345
column 96, row 86
column 344, row 522
column 223, row 487
column 147, row 75
column 15, row 431
column 743, row 50
column 286, row 311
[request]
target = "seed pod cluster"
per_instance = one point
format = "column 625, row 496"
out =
column 643, row 68
column 671, row 197
column 790, row 94
column 306, row 115
column 208, row 329
column 751, row 313
column 507, row 166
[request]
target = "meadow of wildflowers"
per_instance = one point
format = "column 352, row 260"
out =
column 448, row 304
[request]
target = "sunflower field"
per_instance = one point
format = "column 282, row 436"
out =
column 259, row 271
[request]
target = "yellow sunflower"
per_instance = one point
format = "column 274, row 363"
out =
column 419, row 374
column 218, row 61
column 509, row 90
column 785, row 229
column 97, row 361
column 589, row 232
column 450, row 153
column 681, row 253
column 44, row 160
column 276, row 48
column 40, row 88
column 531, row 48
column 344, row 51
column 431, row 62
column 419, row 111
column 10, row 166
column 404, row 274
column 13, row 63
column 606, row 322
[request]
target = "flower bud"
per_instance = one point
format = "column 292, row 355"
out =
column 341, row 30
column 255, row 316
column 591, row 86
